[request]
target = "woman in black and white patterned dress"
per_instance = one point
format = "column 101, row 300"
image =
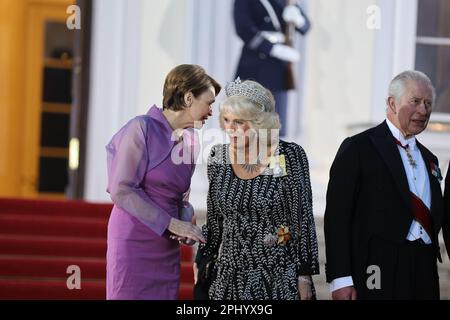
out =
column 260, row 222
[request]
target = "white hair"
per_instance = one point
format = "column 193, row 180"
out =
column 246, row 109
column 398, row 85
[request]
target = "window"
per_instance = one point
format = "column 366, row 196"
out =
column 433, row 48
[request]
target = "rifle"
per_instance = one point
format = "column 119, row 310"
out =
column 289, row 81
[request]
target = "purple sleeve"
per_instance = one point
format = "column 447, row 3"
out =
column 127, row 160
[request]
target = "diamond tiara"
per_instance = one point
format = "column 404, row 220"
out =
column 237, row 88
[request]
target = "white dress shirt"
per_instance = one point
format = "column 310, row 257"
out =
column 419, row 184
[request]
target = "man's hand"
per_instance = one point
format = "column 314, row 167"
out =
column 346, row 293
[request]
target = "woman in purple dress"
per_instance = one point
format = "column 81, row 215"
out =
column 149, row 183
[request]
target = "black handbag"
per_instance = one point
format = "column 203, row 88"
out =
column 206, row 274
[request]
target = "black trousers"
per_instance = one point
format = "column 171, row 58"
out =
column 407, row 271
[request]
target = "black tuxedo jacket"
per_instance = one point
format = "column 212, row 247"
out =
column 369, row 203
column 446, row 223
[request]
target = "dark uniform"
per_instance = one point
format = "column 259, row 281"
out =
column 252, row 18
column 446, row 223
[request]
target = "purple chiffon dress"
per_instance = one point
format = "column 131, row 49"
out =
column 148, row 188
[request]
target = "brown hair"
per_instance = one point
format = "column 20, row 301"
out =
column 183, row 79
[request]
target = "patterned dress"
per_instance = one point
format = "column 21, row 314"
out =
column 243, row 214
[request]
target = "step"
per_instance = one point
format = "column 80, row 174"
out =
column 50, row 289
column 62, row 246
column 186, row 273
column 52, row 246
column 56, row 289
column 56, row 267
column 186, row 292
column 187, row 253
column 55, row 207
column 45, row 266
column 53, row 225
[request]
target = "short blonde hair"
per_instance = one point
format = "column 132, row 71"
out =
column 261, row 117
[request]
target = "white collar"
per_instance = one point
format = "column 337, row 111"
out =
column 399, row 136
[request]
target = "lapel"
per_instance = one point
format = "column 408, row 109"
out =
column 161, row 140
column 435, row 187
column 384, row 142
column 159, row 137
column 437, row 203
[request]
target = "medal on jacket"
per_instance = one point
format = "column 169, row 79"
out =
column 411, row 160
column 278, row 166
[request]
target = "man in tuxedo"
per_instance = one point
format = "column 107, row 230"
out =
column 384, row 204
column 446, row 225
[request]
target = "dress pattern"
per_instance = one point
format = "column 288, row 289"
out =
column 241, row 214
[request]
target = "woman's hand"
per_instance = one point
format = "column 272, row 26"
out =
column 186, row 230
column 195, row 269
column 183, row 240
column 305, row 287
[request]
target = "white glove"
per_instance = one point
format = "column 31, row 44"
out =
column 286, row 53
column 293, row 14
column 273, row 36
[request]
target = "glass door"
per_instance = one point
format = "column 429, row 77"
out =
column 56, row 109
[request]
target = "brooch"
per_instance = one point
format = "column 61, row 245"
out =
column 435, row 171
column 281, row 237
column 278, row 166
